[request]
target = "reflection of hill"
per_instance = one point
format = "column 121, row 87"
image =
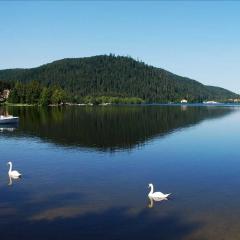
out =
column 109, row 128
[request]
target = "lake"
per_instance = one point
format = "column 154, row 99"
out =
column 86, row 172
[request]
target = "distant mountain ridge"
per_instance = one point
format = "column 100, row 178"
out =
column 110, row 75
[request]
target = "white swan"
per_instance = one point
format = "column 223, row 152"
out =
column 157, row 196
column 13, row 173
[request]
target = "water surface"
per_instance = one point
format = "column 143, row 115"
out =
column 86, row 172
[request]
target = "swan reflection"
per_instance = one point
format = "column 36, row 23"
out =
column 155, row 199
column 12, row 180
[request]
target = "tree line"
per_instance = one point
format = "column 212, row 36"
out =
column 35, row 93
column 115, row 76
column 4, row 85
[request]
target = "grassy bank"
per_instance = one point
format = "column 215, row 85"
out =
column 17, row 104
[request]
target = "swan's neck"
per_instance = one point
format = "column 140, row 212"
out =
column 10, row 167
column 151, row 191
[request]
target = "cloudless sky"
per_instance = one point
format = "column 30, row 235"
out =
column 200, row 40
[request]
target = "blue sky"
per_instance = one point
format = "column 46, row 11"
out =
column 200, row 40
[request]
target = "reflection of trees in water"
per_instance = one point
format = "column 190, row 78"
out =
column 109, row 128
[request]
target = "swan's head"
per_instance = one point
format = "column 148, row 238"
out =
column 9, row 163
column 150, row 185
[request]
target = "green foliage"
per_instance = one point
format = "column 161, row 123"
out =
column 4, row 85
column 45, row 97
column 111, row 76
column 112, row 100
column 34, row 93
column 17, row 94
column 14, row 97
column 58, row 96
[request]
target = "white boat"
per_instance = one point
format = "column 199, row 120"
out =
column 210, row 102
column 8, row 119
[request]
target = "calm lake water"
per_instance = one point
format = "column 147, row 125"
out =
column 86, row 172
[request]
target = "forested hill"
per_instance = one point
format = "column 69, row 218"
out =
column 109, row 75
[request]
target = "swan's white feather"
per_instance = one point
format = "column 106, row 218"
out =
column 15, row 174
column 157, row 195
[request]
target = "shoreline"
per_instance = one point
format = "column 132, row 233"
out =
column 17, row 104
column 123, row 104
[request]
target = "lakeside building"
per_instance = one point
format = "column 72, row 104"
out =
column 4, row 95
column 184, row 101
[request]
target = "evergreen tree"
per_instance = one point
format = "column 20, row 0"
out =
column 13, row 97
column 111, row 76
column 45, row 97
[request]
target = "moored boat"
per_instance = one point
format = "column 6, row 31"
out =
column 210, row 102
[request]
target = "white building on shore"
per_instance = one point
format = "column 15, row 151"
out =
column 183, row 101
